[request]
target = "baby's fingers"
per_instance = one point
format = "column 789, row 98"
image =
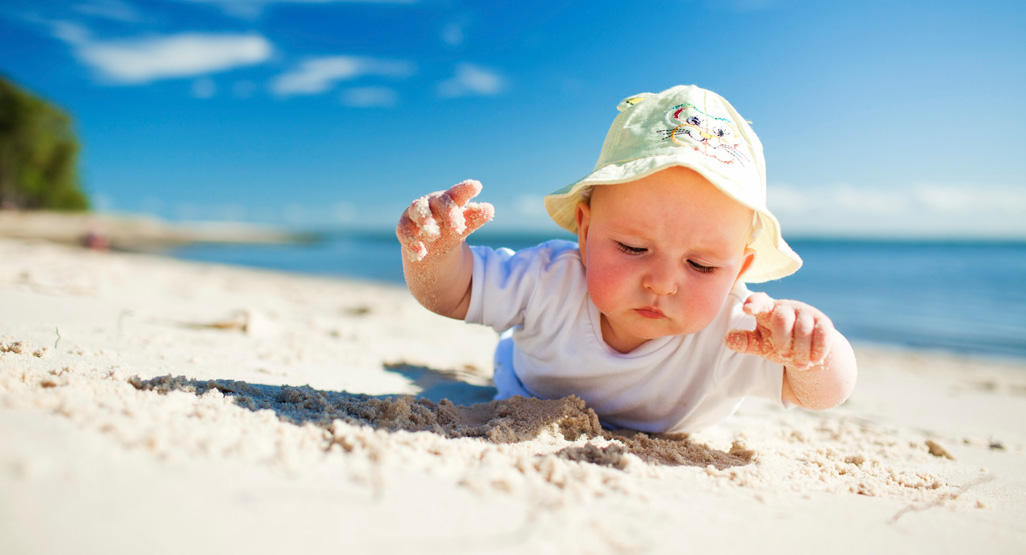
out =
column 448, row 212
column 801, row 343
column 749, row 342
column 477, row 214
column 462, row 192
column 450, row 205
column 822, row 332
column 758, row 304
column 420, row 214
column 408, row 234
column 440, row 220
column 781, row 322
column 460, row 215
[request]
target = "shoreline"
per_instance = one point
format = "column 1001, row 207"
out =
column 134, row 232
column 148, row 401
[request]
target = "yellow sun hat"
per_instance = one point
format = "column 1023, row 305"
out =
column 694, row 128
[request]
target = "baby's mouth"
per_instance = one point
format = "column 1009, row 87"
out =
column 650, row 312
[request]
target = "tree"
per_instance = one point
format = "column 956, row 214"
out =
column 38, row 154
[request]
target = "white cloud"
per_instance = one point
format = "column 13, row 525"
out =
column 870, row 201
column 996, row 201
column 530, row 206
column 369, row 97
column 253, row 8
column 524, row 212
column 317, row 75
column 787, row 198
column 472, row 80
column 924, row 210
column 148, row 59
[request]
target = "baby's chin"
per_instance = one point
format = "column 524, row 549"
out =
column 649, row 329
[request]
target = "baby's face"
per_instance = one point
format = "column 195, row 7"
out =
column 661, row 253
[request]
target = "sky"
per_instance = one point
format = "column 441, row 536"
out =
column 877, row 118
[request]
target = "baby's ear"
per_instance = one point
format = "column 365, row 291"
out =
column 583, row 222
column 746, row 262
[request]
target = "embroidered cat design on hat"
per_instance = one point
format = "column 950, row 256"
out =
column 716, row 137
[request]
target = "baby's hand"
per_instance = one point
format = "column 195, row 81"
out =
column 435, row 223
column 791, row 333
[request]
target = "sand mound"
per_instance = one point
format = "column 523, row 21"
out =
column 508, row 421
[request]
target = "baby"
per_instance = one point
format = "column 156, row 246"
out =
column 647, row 317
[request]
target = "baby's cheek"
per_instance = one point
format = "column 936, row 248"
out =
column 704, row 300
column 605, row 287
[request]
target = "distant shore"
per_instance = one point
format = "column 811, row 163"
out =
column 134, row 232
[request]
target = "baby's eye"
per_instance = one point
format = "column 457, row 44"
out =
column 700, row 268
column 629, row 249
column 694, row 120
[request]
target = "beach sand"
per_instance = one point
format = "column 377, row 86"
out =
column 149, row 405
column 134, row 232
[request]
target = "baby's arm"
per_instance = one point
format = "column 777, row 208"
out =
column 437, row 263
column 819, row 363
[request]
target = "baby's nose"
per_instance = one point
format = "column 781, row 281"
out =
column 662, row 289
column 661, row 280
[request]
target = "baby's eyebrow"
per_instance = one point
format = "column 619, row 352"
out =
column 710, row 254
column 706, row 257
column 711, row 251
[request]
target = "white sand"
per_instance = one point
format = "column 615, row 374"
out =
column 100, row 454
column 132, row 232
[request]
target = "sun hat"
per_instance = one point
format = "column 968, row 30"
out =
column 698, row 129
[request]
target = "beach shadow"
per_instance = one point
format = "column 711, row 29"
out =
column 508, row 421
column 436, row 385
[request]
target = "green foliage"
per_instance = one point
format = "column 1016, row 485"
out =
column 38, row 154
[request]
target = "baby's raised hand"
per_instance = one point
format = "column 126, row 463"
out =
column 437, row 222
column 791, row 333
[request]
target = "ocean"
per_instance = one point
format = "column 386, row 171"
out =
column 961, row 296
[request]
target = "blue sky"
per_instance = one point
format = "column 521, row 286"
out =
column 892, row 118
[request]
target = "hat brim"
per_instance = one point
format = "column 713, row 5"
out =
column 774, row 258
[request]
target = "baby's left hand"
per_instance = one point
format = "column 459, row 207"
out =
column 791, row 333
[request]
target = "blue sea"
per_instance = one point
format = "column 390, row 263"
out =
column 962, row 296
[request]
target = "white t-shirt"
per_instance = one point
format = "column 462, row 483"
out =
column 678, row 383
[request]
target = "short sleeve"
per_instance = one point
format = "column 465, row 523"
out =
column 748, row 375
column 505, row 283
